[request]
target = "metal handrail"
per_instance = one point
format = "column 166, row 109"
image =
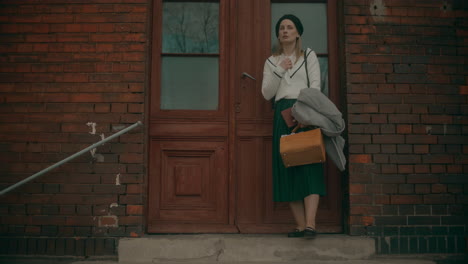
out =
column 79, row 153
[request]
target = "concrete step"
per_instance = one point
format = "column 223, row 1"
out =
column 377, row 259
column 372, row 261
column 235, row 248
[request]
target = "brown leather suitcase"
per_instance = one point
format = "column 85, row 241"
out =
column 302, row 148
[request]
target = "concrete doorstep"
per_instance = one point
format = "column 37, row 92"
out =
column 243, row 248
column 71, row 260
column 246, row 249
column 381, row 259
column 262, row 249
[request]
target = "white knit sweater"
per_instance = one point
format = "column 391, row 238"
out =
column 281, row 83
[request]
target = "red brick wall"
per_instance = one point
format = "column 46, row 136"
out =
column 406, row 80
column 66, row 66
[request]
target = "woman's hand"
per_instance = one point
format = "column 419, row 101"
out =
column 286, row 64
column 299, row 124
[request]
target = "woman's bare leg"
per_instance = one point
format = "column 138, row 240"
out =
column 311, row 205
column 297, row 208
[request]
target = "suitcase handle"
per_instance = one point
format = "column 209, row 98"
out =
column 296, row 128
column 299, row 125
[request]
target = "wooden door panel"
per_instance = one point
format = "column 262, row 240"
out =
column 258, row 213
column 187, row 180
column 189, row 183
column 210, row 171
column 247, row 180
column 329, row 216
column 251, row 39
column 192, row 128
column 254, row 128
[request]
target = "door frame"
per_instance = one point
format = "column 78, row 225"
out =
column 210, row 124
column 229, row 18
column 269, row 220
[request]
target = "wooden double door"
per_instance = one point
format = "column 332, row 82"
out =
column 210, row 129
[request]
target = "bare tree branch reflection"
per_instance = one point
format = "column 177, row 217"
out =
column 208, row 22
column 190, row 27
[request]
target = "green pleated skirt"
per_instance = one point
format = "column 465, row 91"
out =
column 293, row 183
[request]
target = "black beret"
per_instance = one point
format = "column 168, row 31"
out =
column 294, row 19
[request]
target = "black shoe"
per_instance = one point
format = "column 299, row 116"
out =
column 309, row 232
column 296, row 233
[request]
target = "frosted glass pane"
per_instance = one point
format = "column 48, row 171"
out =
column 190, row 27
column 314, row 19
column 323, row 62
column 189, row 83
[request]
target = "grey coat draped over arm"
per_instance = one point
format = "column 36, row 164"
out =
column 313, row 108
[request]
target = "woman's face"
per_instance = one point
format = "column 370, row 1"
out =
column 287, row 31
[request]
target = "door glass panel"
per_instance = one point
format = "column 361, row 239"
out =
column 190, row 55
column 189, row 83
column 190, row 27
column 323, row 62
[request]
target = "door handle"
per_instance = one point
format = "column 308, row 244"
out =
column 244, row 74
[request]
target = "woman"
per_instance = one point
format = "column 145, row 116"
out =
column 286, row 73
